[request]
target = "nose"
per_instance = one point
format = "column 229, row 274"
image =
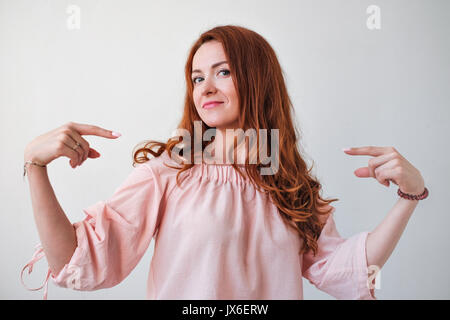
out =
column 209, row 86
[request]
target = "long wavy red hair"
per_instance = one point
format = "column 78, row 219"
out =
column 264, row 104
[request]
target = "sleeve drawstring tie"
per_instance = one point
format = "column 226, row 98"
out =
column 38, row 254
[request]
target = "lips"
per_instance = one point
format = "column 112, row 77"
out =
column 211, row 104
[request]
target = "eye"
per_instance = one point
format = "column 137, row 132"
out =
column 227, row 72
column 193, row 80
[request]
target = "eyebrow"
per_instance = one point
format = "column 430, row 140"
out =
column 212, row 67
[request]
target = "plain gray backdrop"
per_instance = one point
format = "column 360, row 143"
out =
column 124, row 70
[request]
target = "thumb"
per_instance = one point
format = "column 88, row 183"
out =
column 93, row 153
column 362, row 172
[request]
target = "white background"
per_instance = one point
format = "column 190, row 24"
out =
column 124, row 70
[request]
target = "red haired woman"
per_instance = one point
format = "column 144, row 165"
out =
column 222, row 230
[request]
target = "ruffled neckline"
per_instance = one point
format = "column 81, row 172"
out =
column 223, row 173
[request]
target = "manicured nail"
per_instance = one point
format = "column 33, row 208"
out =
column 346, row 149
column 116, row 134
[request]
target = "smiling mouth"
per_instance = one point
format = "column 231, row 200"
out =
column 212, row 105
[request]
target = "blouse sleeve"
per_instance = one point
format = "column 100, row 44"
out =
column 113, row 236
column 340, row 265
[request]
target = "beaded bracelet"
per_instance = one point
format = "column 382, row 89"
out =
column 30, row 162
column 421, row 196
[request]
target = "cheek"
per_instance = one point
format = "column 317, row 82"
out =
column 231, row 94
column 234, row 100
column 196, row 98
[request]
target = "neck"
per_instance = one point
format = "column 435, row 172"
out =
column 224, row 151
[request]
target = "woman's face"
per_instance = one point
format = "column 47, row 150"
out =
column 212, row 82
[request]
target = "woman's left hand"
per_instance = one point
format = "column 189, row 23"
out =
column 389, row 165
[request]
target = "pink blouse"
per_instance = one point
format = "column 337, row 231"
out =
column 216, row 237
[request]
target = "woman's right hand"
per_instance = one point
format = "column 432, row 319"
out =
column 61, row 141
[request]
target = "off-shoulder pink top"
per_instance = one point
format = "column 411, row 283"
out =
column 216, row 237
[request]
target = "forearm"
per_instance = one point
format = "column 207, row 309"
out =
column 382, row 241
column 57, row 235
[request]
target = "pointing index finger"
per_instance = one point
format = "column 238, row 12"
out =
column 367, row 151
column 87, row 129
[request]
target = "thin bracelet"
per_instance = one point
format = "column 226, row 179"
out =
column 30, row 162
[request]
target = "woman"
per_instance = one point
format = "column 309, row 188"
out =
column 222, row 230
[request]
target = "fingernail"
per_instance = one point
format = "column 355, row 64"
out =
column 116, row 134
column 345, row 149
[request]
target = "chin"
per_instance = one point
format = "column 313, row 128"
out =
column 213, row 123
column 220, row 125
